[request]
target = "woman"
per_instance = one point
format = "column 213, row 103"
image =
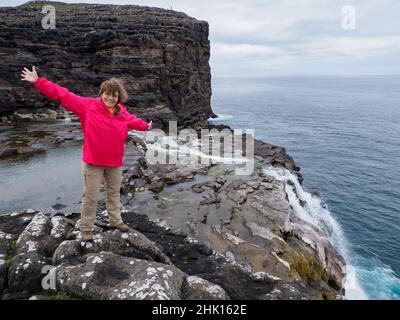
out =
column 105, row 122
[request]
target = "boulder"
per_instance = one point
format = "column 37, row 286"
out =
column 5, row 248
column 196, row 288
column 33, row 250
column 130, row 244
column 109, row 276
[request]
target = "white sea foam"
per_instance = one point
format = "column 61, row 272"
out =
column 379, row 280
column 220, row 117
column 192, row 152
column 314, row 211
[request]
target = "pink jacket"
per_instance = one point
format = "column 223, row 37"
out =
column 104, row 134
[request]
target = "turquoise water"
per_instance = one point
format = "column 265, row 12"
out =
column 344, row 134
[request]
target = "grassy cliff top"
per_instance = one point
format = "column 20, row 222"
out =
column 58, row 5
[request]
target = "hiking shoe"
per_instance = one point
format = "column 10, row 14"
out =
column 87, row 235
column 122, row 227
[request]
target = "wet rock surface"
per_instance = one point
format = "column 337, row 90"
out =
column 203, row 232
column 25, row 140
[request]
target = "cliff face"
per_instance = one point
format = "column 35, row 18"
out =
column 162, row 56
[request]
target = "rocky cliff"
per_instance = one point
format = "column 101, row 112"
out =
column 197, row 231
column 162, row 56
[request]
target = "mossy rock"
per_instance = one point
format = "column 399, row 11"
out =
column 309, row 267
column 58, row 5
column 55, row 295
column 261, row 166
column 10, row 253
column 216, row 170
column 304, row 260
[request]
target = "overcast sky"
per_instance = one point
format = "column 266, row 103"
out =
column 293, row 37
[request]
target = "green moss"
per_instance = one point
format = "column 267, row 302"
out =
column 304, row 260
column 260, row 166
column 58, row 5
column 8, row 261
column 5, row 296
column 301, row 266
column 57, row 295
column 42, row 295
column 10, row 253
column 329, row 295
column 13, row 244
column 69, row 233
column 215, row 170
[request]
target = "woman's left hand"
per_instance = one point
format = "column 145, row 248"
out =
column 150, row 125
column 28, row 75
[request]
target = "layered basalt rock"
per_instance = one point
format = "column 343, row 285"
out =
column 162, row 56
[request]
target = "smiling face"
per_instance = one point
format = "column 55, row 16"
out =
column 112, row 91
column 109, row 99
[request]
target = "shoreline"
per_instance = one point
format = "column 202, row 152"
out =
column 272, row 155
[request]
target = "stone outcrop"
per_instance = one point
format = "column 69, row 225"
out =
column 161, row 55
column 114, row 266
column 27, row 139
column 169, row 265
column 106, row 275
column 198, row 231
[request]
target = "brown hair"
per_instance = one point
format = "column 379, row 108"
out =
column 114, row 85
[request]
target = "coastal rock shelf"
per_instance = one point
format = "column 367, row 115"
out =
column 25, row 139
column 197, row 231
column 162, row 56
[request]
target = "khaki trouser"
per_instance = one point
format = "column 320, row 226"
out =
column 92, row 179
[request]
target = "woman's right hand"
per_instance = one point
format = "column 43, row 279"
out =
column 28, row 75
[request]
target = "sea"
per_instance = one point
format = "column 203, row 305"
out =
column 344, row 133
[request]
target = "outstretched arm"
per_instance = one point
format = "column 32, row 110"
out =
column 138, row 124
column 67, row 99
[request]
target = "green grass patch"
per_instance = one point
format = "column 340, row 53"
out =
column 10, row 253
column 58, row 5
